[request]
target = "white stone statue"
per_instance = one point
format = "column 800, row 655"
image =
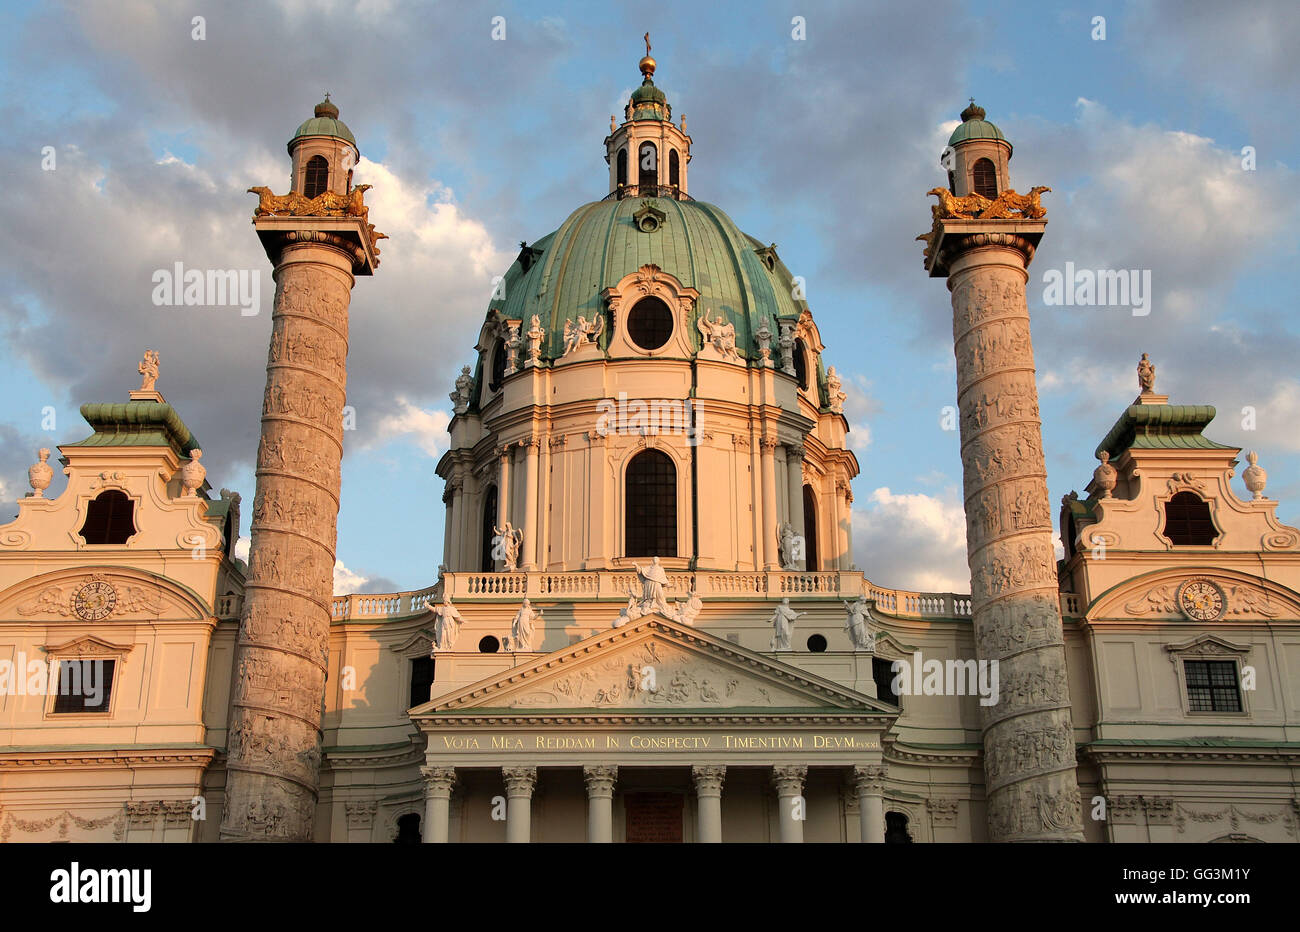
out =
column 720, row 332
column 1146, row 375
column 460, row 397
column 783, row 620
column 789, row 545
column 192, row 474
column 857, row 625
column 1254, row 475
column 148, row 370
column 40, row 474
column 510, row 538
column 629, row 612
column 583, row 331
column 512, row 349
column 688, row 611
column 787, row 347
column 834, row 391
column 764, row 340
column 523, row 630
column 446, row 625
column 653, row 581
column 535, row 334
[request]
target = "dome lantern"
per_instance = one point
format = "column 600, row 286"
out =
column 324, row 152
column 977, row 163
column 647, row 154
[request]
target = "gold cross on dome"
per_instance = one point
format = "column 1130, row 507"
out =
column 647, row 43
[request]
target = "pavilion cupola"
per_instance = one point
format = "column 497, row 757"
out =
column 647, row 153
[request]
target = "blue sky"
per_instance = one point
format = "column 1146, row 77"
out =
column 824, row 146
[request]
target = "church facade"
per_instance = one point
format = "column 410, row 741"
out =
column 648, row 625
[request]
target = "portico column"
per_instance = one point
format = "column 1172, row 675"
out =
column 794, row 486
column 868, row 785
column 530, row 502
column 708, row 801
column 788, row 780
column 600, row 780
column 770, row 559
column 519, row 797
column 438, row 782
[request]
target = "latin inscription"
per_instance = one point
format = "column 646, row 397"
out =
column 635, row 742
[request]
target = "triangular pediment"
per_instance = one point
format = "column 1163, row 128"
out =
column 654, row 665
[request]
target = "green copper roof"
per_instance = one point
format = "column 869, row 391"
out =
column 325, row 122
column 1161, row 427
column 974, row 126
column 137, row 424
column 648, row 91
column 697, row 243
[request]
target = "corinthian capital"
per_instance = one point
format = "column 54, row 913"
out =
column 519, row 780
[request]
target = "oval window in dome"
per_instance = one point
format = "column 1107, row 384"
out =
column 650, row 323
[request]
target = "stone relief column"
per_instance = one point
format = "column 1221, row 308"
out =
column 600, row 779
column 1029, row 748
column 274, row 747
column 531, row 445
column 788, row 780
column 794, row 489
column 520, row 782
column 438, row 783
column 868, row 786
column 708, row 801
column 770, row 559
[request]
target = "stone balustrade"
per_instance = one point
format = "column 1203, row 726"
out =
column 614, row 585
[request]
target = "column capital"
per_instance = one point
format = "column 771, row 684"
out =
column 520, row 781
column 600, row 779
column 795, row 450
column 869, row 779
column 768, row 445
column 708, row 778
column 438, row 780
column 788, row 778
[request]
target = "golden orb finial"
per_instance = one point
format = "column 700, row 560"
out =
column 647, row 64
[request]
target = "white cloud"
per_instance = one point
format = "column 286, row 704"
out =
column 427, row 428
column 912, row 541
column 241, row 548
column 347, row 582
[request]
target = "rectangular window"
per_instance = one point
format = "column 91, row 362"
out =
column 421, row 680
column 1212, row 686
column 882, row 671
column 83, row 686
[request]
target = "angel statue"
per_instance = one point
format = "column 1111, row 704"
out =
column 720, row 332
column 783, row 619
column 595, row 327
column 148, row 370
column 859, row 614
column 688, row 610
column 629, row 612
column 510, row 538
column 446, row 625
column 573, row 334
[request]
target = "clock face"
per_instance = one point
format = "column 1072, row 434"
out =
column 1201, row 600
column 94, row 600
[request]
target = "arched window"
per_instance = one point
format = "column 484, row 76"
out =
column 896, row 829
column 801, row 364
column 317, row 179
column 650, row 323
column 650, row 513
column 674, row 169
column 621, row 169
column 408, row 829
column 648, row 164
column 984, row 178
column 1187, row 520
column 110, row 519
column 498, row 366
column 810, row 529
column 486, row 563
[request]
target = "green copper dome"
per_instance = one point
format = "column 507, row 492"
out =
column 697, row 243
column 325, row 122
column 974, row 126
column 647, row 92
